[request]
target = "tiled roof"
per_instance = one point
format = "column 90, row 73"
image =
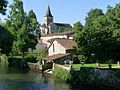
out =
column 54, row 57
column 57, row 34
column 51, row 40
column 66, row 43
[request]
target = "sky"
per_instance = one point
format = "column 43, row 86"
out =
column 65, row 11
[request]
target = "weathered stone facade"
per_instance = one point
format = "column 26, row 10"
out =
column 49, row 26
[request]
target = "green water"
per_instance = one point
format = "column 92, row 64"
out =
column 12, row 78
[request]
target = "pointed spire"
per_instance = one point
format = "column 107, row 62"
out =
column 48, row 12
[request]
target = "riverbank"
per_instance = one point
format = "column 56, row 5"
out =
column 13, row 78
column 102, row 78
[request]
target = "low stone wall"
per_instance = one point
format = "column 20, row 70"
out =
column 35, row 66
column 97, row 77
column 38, row 67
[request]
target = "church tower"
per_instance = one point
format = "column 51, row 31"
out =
column 48, row 18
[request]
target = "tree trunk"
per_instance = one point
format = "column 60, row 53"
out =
column 97, row 64
column 118, row 63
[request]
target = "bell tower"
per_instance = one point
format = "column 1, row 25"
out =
column 48, row 18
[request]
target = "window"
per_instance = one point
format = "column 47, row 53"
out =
column 53, row 48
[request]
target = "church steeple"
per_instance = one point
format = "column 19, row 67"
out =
column 48, row 13
column 48, row 18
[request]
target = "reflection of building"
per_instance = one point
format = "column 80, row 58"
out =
column 49, row 26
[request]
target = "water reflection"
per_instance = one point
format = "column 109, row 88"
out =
column 12, row 78
column 16, row 79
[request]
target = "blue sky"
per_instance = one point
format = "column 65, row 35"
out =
column 65, row 11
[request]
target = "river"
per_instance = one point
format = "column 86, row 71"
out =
column 12, row 78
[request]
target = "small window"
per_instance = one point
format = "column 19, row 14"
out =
column 53, row 48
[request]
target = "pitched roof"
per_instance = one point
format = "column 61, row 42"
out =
column 54, row 57
column 48, row 13
column 63, row 24
column 66, row 43
column 58, row 34
column 51, row 40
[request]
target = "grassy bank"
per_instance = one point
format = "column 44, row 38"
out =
column 92, row 65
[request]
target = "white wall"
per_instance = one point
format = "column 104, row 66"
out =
column 45, row 39
column 57, row 47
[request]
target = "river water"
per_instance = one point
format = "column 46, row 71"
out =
column 12, row 78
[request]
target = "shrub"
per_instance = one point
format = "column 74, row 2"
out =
column 31, row 58
column 15, row 61
column 61, row 73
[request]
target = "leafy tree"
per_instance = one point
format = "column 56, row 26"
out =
column 3, row 5
column 100, row 37
column 15, row 22
column 92, row 15
column 22, row 27
column 5, row 40
column 33, row 28
column 78, row 27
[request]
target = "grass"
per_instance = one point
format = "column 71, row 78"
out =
column 91, row 65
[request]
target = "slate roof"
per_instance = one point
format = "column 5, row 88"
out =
column 55, row 57
column 63, row 25
column 48, row 13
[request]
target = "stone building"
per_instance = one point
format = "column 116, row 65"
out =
column 60, row 50
column 49, row 26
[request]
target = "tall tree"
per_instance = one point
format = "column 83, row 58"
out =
column 3, row 5
column 92, row 15
column 15, row 22
column 22, row 26
column 33, row 24
column 101, row 36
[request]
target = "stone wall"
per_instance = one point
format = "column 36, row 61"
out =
column 96, row 77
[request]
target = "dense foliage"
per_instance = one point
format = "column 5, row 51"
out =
column 5, row 40
column 22, row 26
column 100, row 37
column 61, row 73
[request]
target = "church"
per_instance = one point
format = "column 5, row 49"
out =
column 50, row 27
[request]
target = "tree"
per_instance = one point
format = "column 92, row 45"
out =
column 92, row 15
column 22, row 26
column 14, row 23
column 33, row 28
column 77, row 27
column 100, row 37
column 5, row 40
column 3, row 5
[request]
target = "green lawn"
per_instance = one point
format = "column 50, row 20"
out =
column 92, row 65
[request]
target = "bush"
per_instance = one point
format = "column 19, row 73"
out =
column 31, row 58
column 61, row 73
column 16, row 61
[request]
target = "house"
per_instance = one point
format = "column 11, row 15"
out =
column 49, row 26
column 46, row 39
column 60, row 50
column 61, row 45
